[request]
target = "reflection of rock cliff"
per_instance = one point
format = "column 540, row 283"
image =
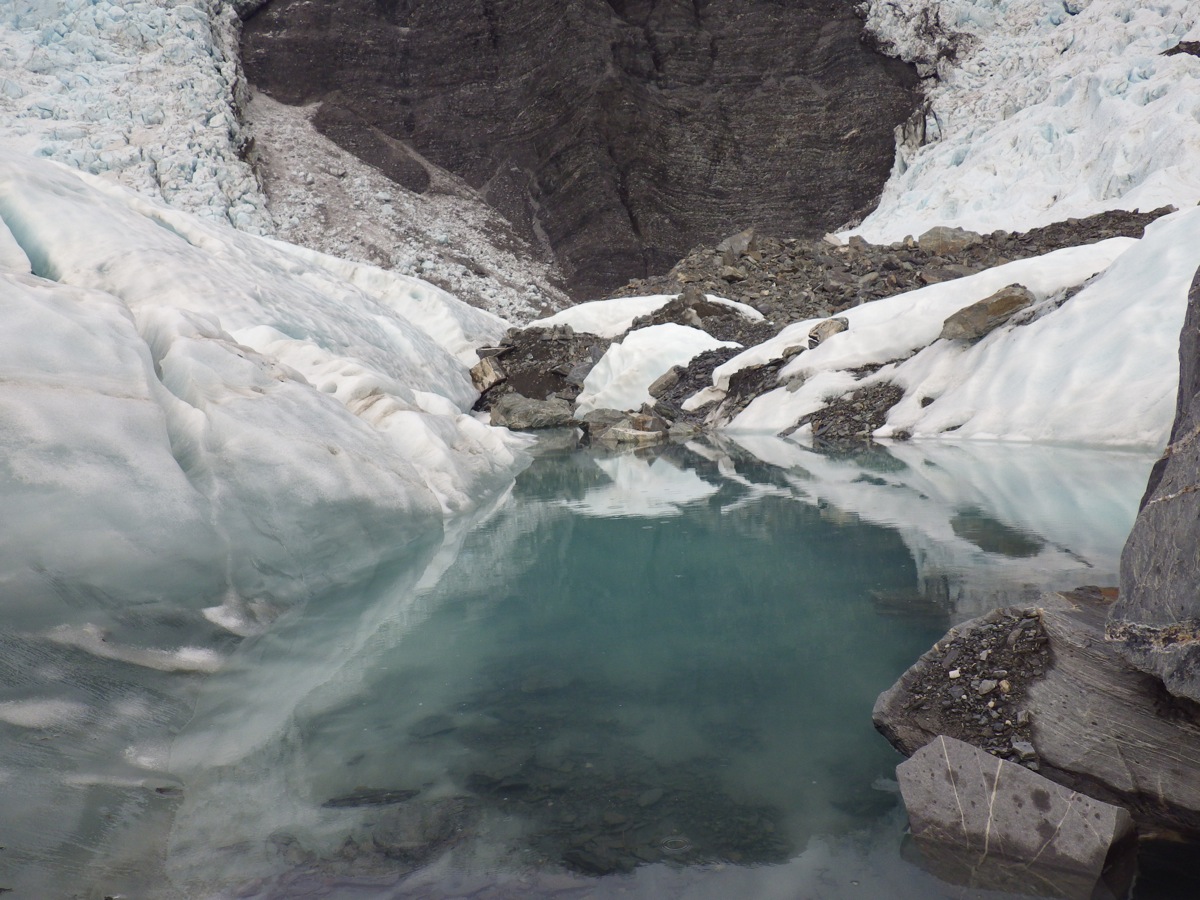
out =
column 619, row 134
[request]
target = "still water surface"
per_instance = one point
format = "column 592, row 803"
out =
column 637, row 675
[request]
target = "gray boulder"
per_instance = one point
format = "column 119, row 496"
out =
column 522, row 414
column 736, row 246
column 941, row 240
column 973, row 322
column 824, row 330
column 1156, row 619
column 961, row 797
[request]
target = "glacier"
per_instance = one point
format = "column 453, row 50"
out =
column 1039, row 110
column 201, row 423
column 208, row 394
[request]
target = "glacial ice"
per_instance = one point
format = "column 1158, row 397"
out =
column 1042, row 110
column 142, row 92
column 203, row 398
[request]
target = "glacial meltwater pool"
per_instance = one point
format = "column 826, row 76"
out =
column 642, row 675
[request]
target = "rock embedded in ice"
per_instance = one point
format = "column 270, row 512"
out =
column 984, row 316
column 959, row 795
column 822, row 331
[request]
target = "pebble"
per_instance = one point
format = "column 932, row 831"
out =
column 986, row 687
column 1024, row 750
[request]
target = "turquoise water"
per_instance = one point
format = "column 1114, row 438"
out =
column 642, row 675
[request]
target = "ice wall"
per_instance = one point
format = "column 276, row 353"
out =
column 1041, row 110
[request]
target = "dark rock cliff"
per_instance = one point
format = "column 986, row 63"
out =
column 1157, row 617
column 618, row 134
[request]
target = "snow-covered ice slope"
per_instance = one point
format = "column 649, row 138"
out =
column 182, row 403
column 142, row 91
column 1042, row 110
column 1100, row 368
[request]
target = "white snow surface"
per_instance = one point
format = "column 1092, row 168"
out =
column 622, row 377
column 181, row 403
column 1041, row 110
column 612, row 318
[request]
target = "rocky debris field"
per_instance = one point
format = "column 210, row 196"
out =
column 855, row 416
column 790, row 279
column 533, row 378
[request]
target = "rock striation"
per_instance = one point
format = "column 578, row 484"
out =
column 1156, row 621
column 619, row 133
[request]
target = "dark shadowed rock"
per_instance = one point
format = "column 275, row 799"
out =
column 1192, row 48
column 1157, row 618
column 523, row 414
column 958, row 797
column 973, row 322
column 617, row 133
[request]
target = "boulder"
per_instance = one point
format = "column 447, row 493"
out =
column 523, row 414
column 487, row 373
column 827, row 329
column 941, row 240
column 1156, row 619
column 960, row 797
column 611, row 428
column 973, row 322
column 736, row 246
column 665, row 382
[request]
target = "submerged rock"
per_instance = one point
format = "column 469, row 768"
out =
column 960, row 798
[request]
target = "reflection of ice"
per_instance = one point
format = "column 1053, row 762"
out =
column 1057, row 516
column 642, row 489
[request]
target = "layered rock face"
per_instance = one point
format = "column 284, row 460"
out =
column 1157, row 618
column 617, row 134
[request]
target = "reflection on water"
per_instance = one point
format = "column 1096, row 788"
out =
column 642, row 675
